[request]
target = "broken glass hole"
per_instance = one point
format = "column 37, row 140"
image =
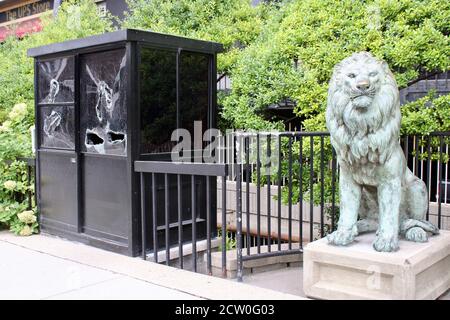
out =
column 93, row 139
column 115, row 137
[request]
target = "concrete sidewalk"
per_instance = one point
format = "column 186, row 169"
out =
column 44, row 267
column 29, row 274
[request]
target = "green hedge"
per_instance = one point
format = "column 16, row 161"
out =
column 412, row 36
column 76, row 19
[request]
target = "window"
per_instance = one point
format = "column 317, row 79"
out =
column 103, row 102
column 158, row 100
column 56, row 103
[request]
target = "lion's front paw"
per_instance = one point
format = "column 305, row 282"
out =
column 342, row 237
column 416, row 234
column 385, row 243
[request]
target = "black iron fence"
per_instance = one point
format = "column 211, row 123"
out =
column 275, row 191
column 193, row 171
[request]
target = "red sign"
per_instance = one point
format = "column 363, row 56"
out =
column 21, row 29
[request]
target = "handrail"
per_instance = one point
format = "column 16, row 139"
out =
column 187, row 168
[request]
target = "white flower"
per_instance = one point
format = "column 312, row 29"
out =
column 18, row 112
column 27, row 217
column 6, row 126
column 10, row 185
column 26, row 231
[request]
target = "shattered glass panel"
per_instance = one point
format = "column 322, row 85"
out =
column 158, row 100
column 56, row 80
column 57, row 127
column 103, row 102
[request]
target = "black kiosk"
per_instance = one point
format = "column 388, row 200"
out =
column 103, row 102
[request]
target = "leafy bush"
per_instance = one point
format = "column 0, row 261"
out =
column 411, row 36
column 15, row 142
column 76, row 19
column 234, row 23
column 295, row 54
column 288, row 50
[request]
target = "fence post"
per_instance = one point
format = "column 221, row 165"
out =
column 239, row 221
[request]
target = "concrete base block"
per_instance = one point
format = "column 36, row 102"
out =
column 261, row 264
column 357, row 271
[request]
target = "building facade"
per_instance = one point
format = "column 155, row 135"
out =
column 21, row 17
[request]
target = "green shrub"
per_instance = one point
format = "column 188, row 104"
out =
column 234, row 23
column 288, row 50
column 411, row 36
column 76, row 19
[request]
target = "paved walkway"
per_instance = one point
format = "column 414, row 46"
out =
column 36, row 275
column 45, row 267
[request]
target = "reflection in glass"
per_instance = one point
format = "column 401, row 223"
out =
column 158, row 100
column 56, row 80
column 194, row 96
column 103, row 102
column 57, row 127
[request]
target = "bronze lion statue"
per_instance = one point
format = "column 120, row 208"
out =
column 375, row 184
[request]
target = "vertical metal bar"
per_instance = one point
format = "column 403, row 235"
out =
column 194, row 223
column 224, row 226
column 441, row 145
column 155, row 219
column 35, row 188
column 333, row 189
column 78, row 155
column 37, row 163
column 447, row 165
column 258, row 196
column 311, row 186
column 239, row 222
column 208, row 225
column 290, row 194
column 180, row 221
column 268, row 164
column 166, row 217
column 300, row 191
column 321, row 188
column 132, row 107
column 177, row 86
column 279, row 192
column 143, row 218
column 428, row 173
column 247, row 191
column 179, row 180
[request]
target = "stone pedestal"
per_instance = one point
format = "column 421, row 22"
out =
column 357, row 271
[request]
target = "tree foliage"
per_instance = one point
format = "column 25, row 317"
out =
column 411, row 36
column 234, row 23
column 76, row 19
column 288, row 50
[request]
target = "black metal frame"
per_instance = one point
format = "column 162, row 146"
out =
column 132, row 41
column 151, row 168
column 306, row 162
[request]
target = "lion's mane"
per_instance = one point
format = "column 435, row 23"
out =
column 361, row 137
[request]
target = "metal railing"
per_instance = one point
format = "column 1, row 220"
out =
column 307, row 164
column 277, row 192
column 428, row 158
column 192, row 170
column 269, row 163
